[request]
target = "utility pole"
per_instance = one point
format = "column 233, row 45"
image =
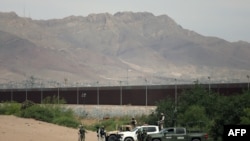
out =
column 77, row 94
column 175, row 95
column 175, row 110
column 58, row 93
column 248, row 82
column 146, row 92
column 41, row 92
column 97, row 93
column 120, row 92
column 209, row 87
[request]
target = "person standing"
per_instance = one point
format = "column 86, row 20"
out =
column 81, row 133
column 98, row 131
column 161, row 121
column 144, row 135
column 133, row 122
column 139, row 134
column 103, row 134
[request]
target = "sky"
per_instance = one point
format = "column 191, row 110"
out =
column 225, row 19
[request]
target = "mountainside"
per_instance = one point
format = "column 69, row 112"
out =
column 128, row 47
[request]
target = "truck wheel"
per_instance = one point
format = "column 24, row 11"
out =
column 129, row 139
column 196, row 140
column 112, row 138
column 156, row 140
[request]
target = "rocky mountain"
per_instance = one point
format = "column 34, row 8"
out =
column 134, row 48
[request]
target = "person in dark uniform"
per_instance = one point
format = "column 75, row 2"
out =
column 81, row 133
column 133, row 122
column 144, row 135
column 102, row 134
column 139, row 134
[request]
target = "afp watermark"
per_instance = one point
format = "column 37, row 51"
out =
column 236, row 132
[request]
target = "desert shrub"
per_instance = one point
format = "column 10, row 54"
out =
column 51, row 113
column 27, row 104
column 65, row 117
column 109, row 124
column 9, row 108
column 147, row 119
column 245, row 119
column 38, row 112
column 193, row 113
column 66, row 121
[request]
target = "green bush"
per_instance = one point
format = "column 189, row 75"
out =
column 151, row 119
column 66, row 121
column 9, row 108
column 245, row 119
column 109, row 124
column 27, row 104
column 52, row 114
column 38, row 112
column 193, row 113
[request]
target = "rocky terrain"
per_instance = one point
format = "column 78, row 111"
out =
column 124, row 48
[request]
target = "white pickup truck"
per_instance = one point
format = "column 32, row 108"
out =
column 132, row 136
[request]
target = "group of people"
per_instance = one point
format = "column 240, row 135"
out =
column 101, row 133
column 141, row 135
column 161, row 121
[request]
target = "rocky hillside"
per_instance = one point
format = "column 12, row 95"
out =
column 128, row 47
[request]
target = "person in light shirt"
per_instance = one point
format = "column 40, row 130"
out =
column 161, row 121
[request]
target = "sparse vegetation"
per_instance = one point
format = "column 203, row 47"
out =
column 9, row 108
column 48, row 112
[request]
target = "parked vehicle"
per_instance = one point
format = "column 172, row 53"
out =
column 178, row 133
column 132, row 135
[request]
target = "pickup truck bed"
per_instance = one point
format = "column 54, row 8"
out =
column 176, row 134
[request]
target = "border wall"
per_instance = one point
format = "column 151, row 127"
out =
column 145, row 95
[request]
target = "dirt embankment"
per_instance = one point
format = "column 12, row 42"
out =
column 20, row 129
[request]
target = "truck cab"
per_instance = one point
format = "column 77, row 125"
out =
column 177, row 133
